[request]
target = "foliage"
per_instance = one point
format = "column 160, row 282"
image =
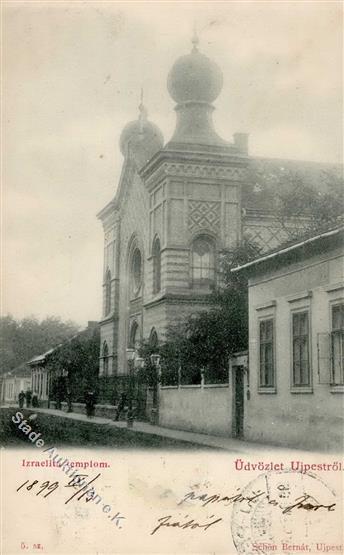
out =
column 206, row 340
column 203, row 342
column 302, row 207
column 21, row 340
column 316, row 210
column 79, row 357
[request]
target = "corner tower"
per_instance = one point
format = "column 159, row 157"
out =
column 194, row 188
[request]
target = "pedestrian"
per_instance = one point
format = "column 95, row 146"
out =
column 28, row 396
column 21, row 399
column 121, row 405
column 90, row 402
column 35, row 400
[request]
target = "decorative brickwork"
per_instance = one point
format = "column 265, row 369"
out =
column 204, row 215
column 197, row 170
column 267, row 237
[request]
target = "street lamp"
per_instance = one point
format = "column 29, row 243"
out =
column 155, row 360
column 66, row 375
column 130, row 353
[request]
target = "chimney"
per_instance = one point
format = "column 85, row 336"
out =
column 241, row 142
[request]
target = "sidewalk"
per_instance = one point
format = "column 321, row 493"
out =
column 230, row 444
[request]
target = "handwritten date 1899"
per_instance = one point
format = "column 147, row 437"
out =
column 45, row 486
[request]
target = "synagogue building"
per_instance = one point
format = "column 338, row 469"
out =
column 178, row 207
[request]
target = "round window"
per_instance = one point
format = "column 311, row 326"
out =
column 136, row 270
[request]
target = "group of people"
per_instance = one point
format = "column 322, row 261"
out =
column 29, row 397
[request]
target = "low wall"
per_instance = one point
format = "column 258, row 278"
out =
column 197, row 409
column 298, row 423
column 106, row 411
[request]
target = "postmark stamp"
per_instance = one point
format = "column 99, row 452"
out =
column 285, row 512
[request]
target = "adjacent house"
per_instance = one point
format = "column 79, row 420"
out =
column 14, row 382
column 296, row 344
column 67, row 368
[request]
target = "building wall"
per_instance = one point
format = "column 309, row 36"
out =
column 313, row 417
column 197, row 409
column 176, row 203
column 40, row 382
column 12, row 386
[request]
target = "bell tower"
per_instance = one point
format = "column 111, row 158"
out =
column 194, row 187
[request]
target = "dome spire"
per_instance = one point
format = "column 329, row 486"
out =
column 143, row 112
column 195, row 39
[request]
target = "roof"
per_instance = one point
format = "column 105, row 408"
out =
column 21, row 371
column 40, row 359
column 293, row 248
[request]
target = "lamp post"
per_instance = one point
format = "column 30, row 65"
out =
column 155, row 360
column 131, row 360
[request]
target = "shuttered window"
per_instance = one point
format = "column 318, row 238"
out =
column 301, row 368
column 266, row 353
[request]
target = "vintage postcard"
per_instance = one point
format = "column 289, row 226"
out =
column 172, row 326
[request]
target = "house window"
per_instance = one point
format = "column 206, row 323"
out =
column 156, row 252
column 337, row 344
column 266, row 354
column 107, row 292
column 136, row 271
column 301, row 371
column 105, row 355
column 203, row 262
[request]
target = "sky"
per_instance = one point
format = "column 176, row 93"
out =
column 72, row 74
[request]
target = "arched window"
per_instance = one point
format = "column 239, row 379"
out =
column 134, row 336
column 153, row 338
column 156, row 252
column 107, row 291
column 203, row 262
column 105, row 355
column 136, row 271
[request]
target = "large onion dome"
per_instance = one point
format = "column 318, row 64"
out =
column 194, row 77
column 194, row 82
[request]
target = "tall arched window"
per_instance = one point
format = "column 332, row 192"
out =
column 107, row 291
column 203, row 261
column 134, row 336
column 105, row 355
column 156, row 252
column 153, row 339
column 136, row 271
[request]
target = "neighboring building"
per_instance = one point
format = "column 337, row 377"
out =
column 177, row 208
column 69, row 365
column 296, row 344
column 14, row 382
column 41, row 375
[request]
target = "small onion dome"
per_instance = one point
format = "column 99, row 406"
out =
column 194, row 77
column 141, row 138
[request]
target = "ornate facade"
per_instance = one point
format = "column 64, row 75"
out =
column 177, row 208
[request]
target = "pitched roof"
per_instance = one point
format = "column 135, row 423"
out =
column 292, row 248
column 40, row 359
column 21, row 371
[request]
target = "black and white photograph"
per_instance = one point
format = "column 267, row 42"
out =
column 172, row 320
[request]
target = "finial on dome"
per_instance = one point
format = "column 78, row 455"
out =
column 195, row 39
column 143, row 112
